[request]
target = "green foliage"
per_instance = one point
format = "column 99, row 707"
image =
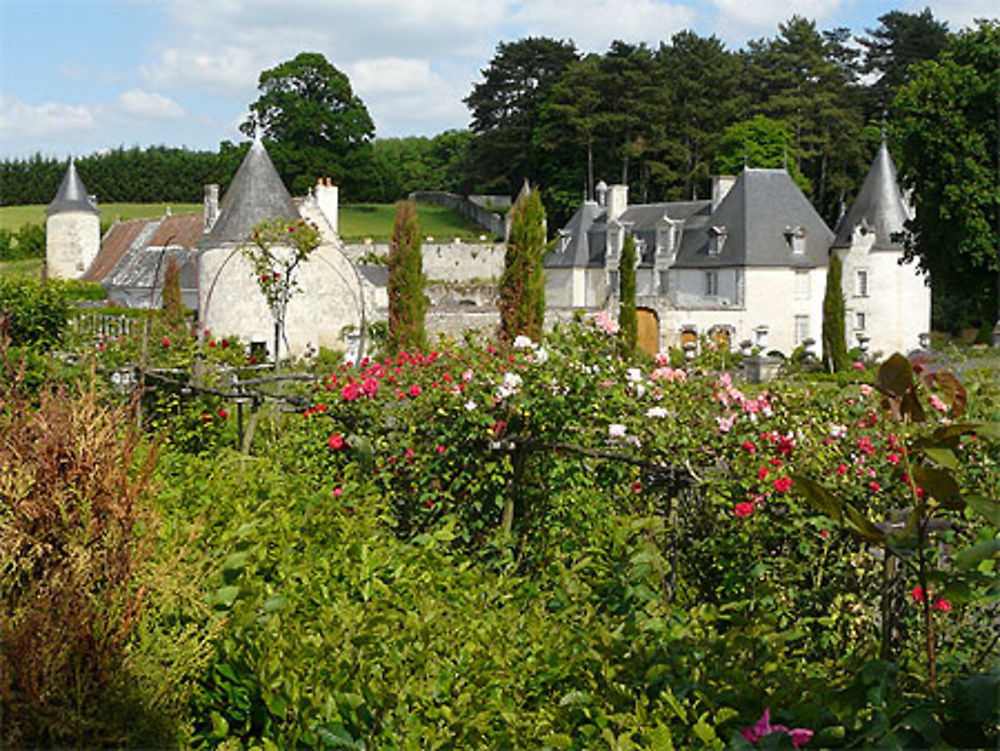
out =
column 320, row 126
column 760, row 142
column 834, row 340
column 407, row 301
column 522, row 285
column 505, row 109
column 627, row 317
column 27, row 242
column 31, row 313
column 947, row 130
column 891, row 49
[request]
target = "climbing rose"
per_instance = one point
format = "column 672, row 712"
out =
column 783, row 484
column 223, row 414
column 165, row 341
column 336, row 441
column 743, row 510
column 942, row 604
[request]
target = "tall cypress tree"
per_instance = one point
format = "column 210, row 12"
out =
column 627, row 319
column 407, row 303
column 522, row 285
column 834, row 344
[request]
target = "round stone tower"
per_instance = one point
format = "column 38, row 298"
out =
column 72, row 229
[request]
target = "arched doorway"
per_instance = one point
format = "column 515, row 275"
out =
column 689, row 336
column 721, row 337
column 649, row 330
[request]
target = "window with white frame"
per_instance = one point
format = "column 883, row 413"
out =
column 802, row 284
column 861, row 283
column 712, row 283
column 801, row 329
column 860, row 320
column 613, row 283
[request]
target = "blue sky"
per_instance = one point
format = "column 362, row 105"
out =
column 78, row 76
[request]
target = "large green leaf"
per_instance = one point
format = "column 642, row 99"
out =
column 863, row 525
column 987, row 508
column 895, row 376
column 941, row 485
column 972, row 557
column 818, row 496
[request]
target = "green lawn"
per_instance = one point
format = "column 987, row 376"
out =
column 26, row 268
column 13, row 217
column 357, row 221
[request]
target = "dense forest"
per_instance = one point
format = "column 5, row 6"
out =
column 661, row 119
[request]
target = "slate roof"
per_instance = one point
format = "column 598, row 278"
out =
column 757, row 215
column 879, row 206
column 588, row 228
column 255, row 194
column 72, row 194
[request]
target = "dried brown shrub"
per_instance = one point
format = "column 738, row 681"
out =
column 73, row 476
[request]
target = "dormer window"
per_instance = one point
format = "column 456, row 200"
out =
column 563, row 244
column 640, row 250
column 796, row 239
column 716, row 239
column 668, row 238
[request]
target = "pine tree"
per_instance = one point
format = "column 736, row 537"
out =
column 407, row 303
column 834, row 343
column 627, row 318
column 522, row 286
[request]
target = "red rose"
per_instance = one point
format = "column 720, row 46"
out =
column 783, row 484
column 743, row 510
column 336, row 441
column 223, row 414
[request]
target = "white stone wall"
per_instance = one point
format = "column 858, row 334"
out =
column 897, row 306
column 72, row 239
column 329, row 299
column 448, row 262
column 773, row 297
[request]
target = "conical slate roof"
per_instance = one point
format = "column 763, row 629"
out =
column 255, row 195
column 72, row 194
column 879, row 206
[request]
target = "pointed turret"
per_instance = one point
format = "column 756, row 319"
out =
column 879, row 207
column 72, row 229
column 255, row 194
column 72, row 194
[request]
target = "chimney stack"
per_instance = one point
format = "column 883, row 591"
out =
column 617, row 201
column 211, row 206
column 327, row 197
column 721, row 185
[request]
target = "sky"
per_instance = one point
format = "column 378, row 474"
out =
column 80, row 76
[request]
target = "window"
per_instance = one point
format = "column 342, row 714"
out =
column 716, row 240
column 711, row 283
column 796, row 237
column 861, row 283
column 860, row 321
column 801, row 284
column 613, row 283
column 801, row 329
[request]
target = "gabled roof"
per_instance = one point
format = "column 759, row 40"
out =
column 129, row 247
column 72, row 194
column 879, row 206
column 757, row 218
column 575, row 251
column 255, row 194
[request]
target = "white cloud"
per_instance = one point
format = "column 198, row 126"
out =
column 594, row 24
column 739, row 20
column 18, row 118
column 958, row 13
column 148, row 104
column 231, row 68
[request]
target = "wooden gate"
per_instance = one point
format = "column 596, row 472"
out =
column 649, row 330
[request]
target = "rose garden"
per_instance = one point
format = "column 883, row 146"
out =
column 534, row 545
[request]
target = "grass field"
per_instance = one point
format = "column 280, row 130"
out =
column 357, row 221
column 23, row 269
column 13, row 217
